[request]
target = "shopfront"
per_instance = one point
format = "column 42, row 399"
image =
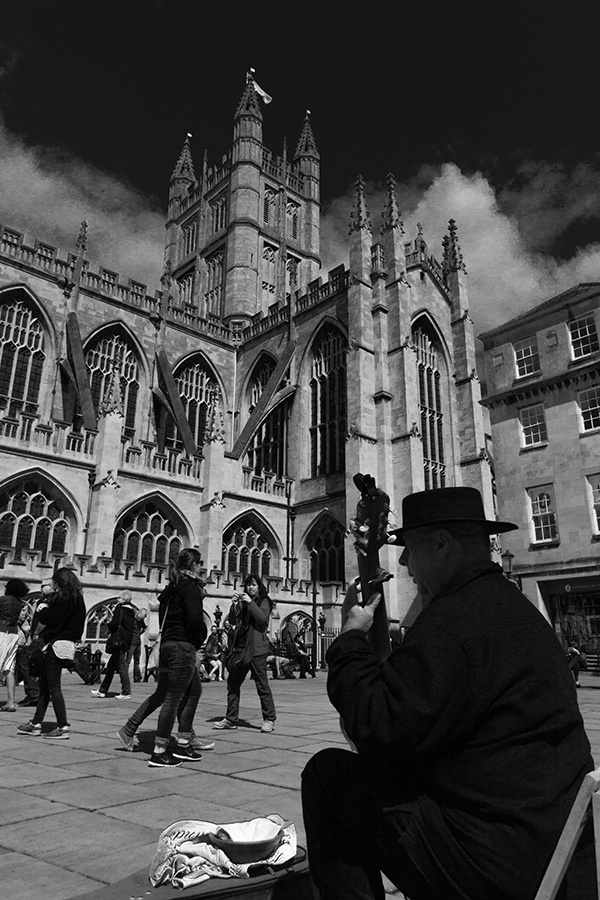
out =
column 573, row 605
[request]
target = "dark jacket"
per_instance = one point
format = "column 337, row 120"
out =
column 10, row 610
column 256, row 616
column 184, row 619
column 123, row 619
column 477, row 710
column 64, row 619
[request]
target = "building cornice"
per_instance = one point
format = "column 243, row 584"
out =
column 545, row 385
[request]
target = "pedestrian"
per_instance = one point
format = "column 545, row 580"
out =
column 183, row 631
column 11, row 605
column 134, row 653
column 32, row 647
column 574, row 659
column 212, row 655
column 471, row 747
column 304, row 657
column 120, row 630
column 252, row 610
column 61, row 625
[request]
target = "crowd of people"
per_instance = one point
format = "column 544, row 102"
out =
column 41, row 635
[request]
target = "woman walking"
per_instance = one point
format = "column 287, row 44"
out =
column 60, row 625
column 11, row 605
column 183, row 631
column 253, row 610
column 121, row 626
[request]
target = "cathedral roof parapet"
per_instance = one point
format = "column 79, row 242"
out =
column 417, row 255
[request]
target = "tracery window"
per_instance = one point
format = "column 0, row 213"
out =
column 430, row 407
column 112, row 354
column 189, row 234
column 267, row 451
column 32, row 518
column 246, row 550
column 21, row 357
column 96, row 626
column 329, row 549
column 292, row 211
column 214, row 283
column 198, row 390
column 218, row 214
column 269, row 206
column 147, row 535
column 269, row 270
column 328, row 425
column 185, row 288
column 259, row 381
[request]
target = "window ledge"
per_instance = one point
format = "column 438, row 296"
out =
column 523, row 379
column 590, row 431
column 583, row 360
column 531, row 447
column 542, row 545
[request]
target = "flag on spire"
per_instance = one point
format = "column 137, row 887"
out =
column 266, row 98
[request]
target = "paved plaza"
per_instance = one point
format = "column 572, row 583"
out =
column 76, row 815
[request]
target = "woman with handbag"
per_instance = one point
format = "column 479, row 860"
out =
column 249, row 652
column 61, row 625
column 120, row 630
column 183, row 631
column 11, row 606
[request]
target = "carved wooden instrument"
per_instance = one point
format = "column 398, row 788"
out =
column 370, row 529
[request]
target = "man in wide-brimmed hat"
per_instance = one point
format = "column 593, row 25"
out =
column 471, row 747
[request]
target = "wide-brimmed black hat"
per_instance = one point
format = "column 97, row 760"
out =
column 442, row 506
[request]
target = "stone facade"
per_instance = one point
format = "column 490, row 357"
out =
column 230, row 410
column 543, row 394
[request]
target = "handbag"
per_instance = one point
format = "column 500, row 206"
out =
column 242, row 650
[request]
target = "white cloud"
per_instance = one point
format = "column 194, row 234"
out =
column 47, row 193
column 508, row 270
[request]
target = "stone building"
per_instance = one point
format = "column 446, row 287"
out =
column 543, row 394
column 230, row 409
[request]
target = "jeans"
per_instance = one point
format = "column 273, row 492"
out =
column 134, row 654
column 50, row 689
column 32, row 691
column 258, row 667
column 178, row 692
column 351, row 838
column 117, row 662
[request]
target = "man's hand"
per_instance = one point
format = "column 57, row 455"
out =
column 355, row 616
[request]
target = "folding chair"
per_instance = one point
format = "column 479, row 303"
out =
column 567, row 842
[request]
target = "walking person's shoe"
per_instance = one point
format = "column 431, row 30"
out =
column 268, row 725
column 62, row 733
column 224, row 725
column 30, row 729
column 164, row 760
column 128, row 743
column 186, row 752
column 123, row 697
column 97, row 693
column 199, row 744
column 27, row 701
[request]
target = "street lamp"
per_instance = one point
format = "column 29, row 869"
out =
column 313, row 560
column 507, row 568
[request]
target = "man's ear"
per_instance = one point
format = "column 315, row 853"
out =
column 444, row 542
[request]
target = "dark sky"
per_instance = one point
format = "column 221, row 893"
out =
column 494, row 89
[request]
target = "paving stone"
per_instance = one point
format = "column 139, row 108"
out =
column 25, row 878
column 14, row 809
column 20, row 774
column 97, row 793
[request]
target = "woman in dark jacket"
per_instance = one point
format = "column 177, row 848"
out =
column 11, row 605
column 252, row 609
column 183, row 631
column 121, row 625
column 61, row 625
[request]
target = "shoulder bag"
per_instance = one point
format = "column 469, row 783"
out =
column 242, row 649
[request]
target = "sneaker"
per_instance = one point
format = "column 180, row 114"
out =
column 268, row 725
column 197, row 744
column 123, row 697
column 30, row 728
column 59, row 734
column 98, row 693
column 186, row 751
column 27, row 701
column 128, row 743
column 164, row 760
column 224, row 725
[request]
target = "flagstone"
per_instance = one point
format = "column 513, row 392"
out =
column 36, row 879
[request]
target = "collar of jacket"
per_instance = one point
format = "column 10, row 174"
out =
column 466, row 576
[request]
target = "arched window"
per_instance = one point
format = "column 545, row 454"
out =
column 246, row 550
column 269, row 272
column 112, row 354
column 328, row 405
column 430, row 407
column 199, row 393
column 21, row 356
column 96, row 626
column 329, row 548
column 259, row 381
column 267, row 451
column 147, row 535
column 34, row 518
